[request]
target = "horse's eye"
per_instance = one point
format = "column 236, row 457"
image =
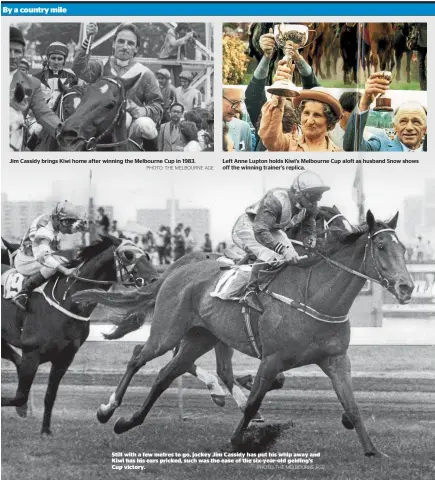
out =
column 380, row 246
column 129, row 256
column 111, row 105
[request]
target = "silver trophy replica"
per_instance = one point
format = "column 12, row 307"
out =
column 289, row 38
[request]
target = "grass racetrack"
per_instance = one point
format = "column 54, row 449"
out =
column 394, row 388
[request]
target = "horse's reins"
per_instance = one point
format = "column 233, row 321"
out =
column 92, row 144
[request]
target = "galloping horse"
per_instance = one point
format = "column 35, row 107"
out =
column 99, row 122
column 327, row 218
column 54, row 328
column 305, row 320
column 16, row 119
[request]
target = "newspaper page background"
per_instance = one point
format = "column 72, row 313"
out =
column 149, row 194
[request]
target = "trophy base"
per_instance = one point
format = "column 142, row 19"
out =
column 383, row 109
column 283, row 88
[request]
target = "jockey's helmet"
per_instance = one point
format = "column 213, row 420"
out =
column 308, row 182
column 65, row 211
column 58, row 48
column 186, row 76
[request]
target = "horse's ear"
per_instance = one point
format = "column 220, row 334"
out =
column 129, row 82
column 335, row 208
column 393, row 222
column 370, row 220
column 116, row 241
column 19, row 93
column 61, row 87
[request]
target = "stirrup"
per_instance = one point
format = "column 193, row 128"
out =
column 18, row 304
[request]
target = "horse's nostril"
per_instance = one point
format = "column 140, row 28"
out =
column 70, row 133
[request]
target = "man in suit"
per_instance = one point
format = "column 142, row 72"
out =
column 170, row 138
column 34, row 99
column 410, row 123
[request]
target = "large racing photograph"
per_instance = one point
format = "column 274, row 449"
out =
column 271, row 298
column 111, row 87
column 325, row 87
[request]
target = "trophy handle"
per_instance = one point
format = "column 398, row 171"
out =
column 313, row 40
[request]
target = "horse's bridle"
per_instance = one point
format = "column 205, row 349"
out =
column 92, row 144
column 138, row 282
column 384, row 282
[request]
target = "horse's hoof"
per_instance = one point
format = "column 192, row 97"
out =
column 102, row 416
column 121, row 426
column 375, row 453
column 258, row 418
column 219, row 400
column 345, row 420
column 236, row 442
column 46, row 433
column 22, row 411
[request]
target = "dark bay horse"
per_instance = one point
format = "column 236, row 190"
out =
column 99, row 122
column 400, row 45
column 46, row 333
column 327, row 218
column 315, row 330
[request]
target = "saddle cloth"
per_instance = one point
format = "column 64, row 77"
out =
column 12, row 283
column 232, row 282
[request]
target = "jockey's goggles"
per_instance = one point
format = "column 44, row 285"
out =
column 68, row 221
column 313, row 196
column 234, row 103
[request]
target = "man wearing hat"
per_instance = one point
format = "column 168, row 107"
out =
column 188, row 96
column 54, row 70
column 34, row 97
column 175, row 39
column 318, row 111
column 145, row 100
column 168, row 92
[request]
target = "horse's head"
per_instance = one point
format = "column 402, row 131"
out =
column 386, row 258
column 101, row 110
column 112, row 259
column 16, row 116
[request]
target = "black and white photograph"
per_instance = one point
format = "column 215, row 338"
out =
column 274, row 293
column 143, row 87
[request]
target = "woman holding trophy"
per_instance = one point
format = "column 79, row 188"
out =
column 317, row 110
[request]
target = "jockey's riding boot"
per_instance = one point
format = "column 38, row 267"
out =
column 21, row 298
column 250, row 297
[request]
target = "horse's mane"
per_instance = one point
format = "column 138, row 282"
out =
column 91, row 251
column 336, row 238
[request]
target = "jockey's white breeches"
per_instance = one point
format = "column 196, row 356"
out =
column 28, row 266
column 142, row 127
column 243, row 237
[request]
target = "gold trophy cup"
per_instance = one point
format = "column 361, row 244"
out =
column 383, row 103
column 289, row 38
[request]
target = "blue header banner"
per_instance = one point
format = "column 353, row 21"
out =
column 224, row 9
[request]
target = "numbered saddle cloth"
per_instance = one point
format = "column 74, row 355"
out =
column 12, row 283
column 232, row 283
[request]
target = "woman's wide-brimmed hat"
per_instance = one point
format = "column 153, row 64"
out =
column 320, row 95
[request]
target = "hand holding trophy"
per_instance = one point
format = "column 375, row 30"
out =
column 290, row 38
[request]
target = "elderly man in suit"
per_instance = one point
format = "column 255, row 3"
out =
column 170, row 138
column 34, row 98
column 410, row 123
